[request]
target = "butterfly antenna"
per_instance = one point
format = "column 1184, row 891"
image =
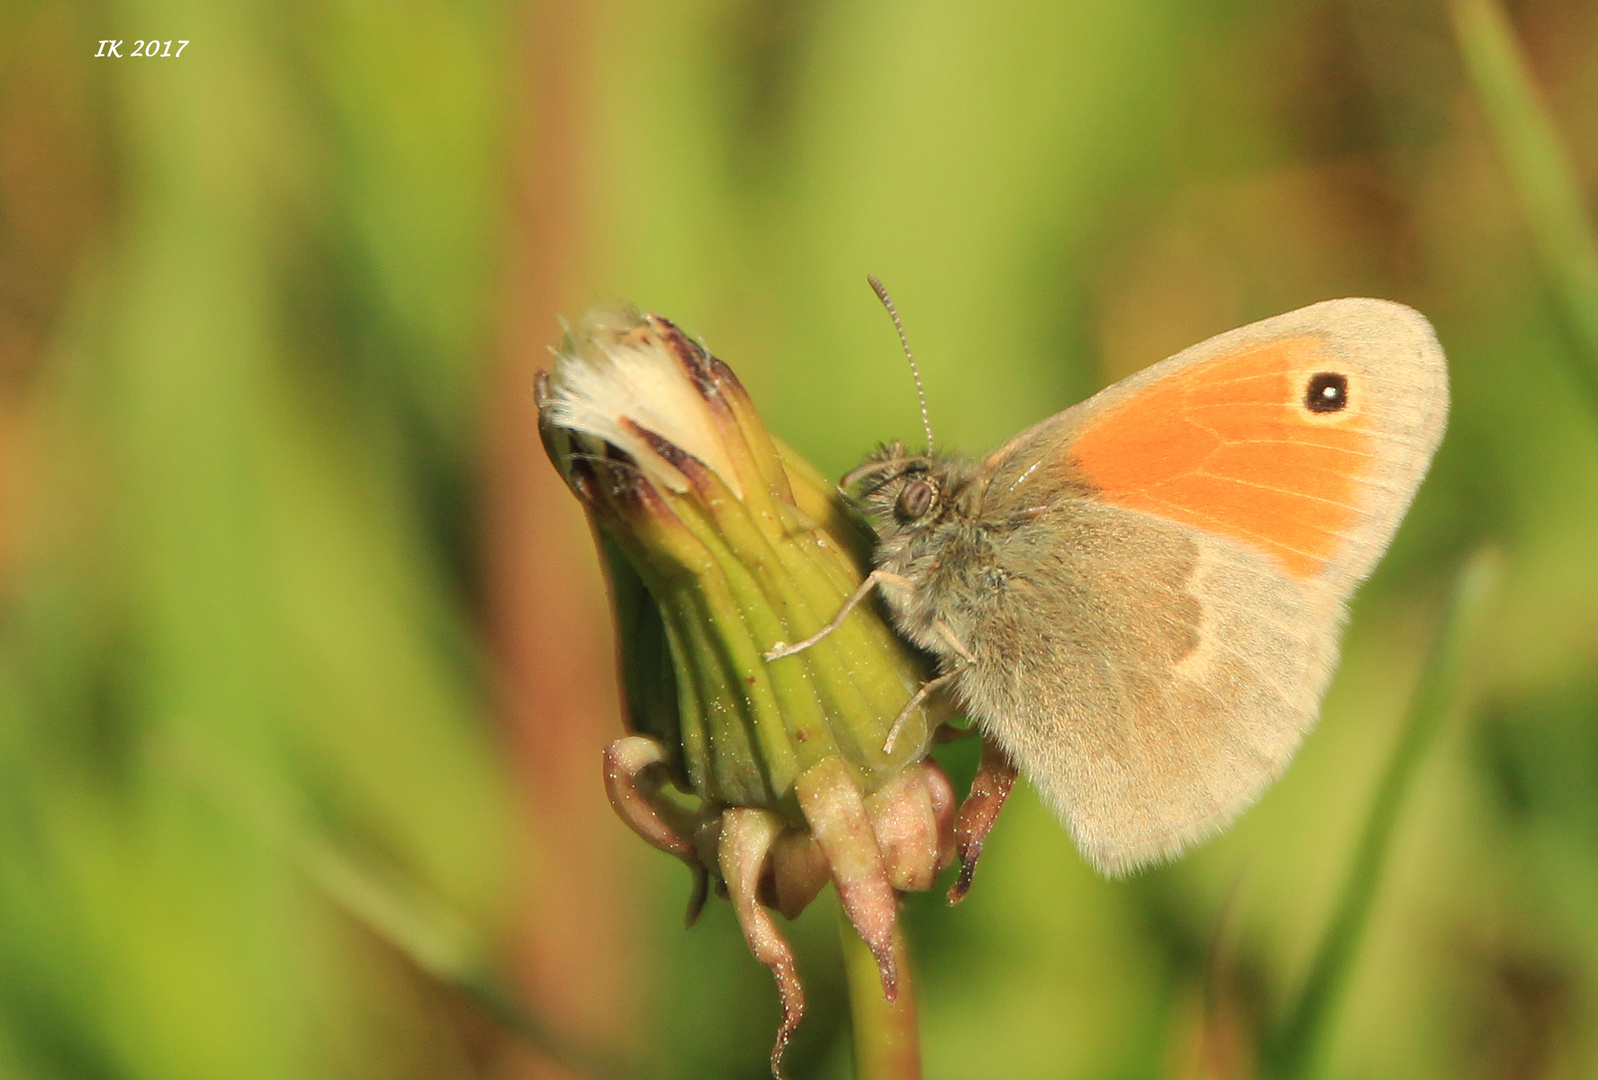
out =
column 893, row 313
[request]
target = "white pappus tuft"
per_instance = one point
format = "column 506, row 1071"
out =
column 614, row 368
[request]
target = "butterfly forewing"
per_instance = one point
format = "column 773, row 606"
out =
column 1174, row 556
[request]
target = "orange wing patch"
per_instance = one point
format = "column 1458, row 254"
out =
column 1228, row 446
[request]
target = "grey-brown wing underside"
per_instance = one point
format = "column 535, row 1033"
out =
column 1152, row 677
column 1149, row 680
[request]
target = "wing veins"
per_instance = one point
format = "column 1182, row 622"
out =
column 1232, row 528
column 1270, row 487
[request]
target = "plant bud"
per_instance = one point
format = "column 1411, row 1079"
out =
column 719, row 545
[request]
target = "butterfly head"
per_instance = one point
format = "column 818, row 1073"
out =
column 904, row 494
column 901, row 491
column 921, row 507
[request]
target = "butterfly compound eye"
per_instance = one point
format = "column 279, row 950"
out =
column 1326, row 392
column 915, row 500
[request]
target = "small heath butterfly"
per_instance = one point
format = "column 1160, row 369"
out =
column 1139, row 599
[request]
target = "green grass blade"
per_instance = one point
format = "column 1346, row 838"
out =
column 1540, row 170
column 1294, row 1050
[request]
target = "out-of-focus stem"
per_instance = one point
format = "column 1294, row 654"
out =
column 1539, row 169
column 887, row 1040
column 1294, row 1052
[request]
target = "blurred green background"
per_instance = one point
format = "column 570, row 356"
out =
column 305, row 664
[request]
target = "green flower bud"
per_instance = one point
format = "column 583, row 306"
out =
column 738, row 547
column 720, row 546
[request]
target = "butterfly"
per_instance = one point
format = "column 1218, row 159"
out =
column 1139, row 599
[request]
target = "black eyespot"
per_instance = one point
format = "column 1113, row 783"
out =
column 1327, row 392
column 915, row 500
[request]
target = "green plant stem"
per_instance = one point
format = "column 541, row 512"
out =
column 1294, row 1050
column 1540, row 171
column 887, row 1043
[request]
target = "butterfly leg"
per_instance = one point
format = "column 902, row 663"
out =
column 910, row 706
column 927, row 688
column 991, row 786
column 873, row 579
column 955, row 643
